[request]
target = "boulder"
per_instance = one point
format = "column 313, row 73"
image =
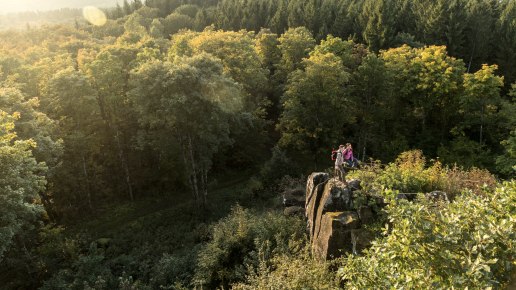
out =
column 407, row 196
column 294, row 197
column 378, row 200
column 335, row 234
column 437, row 196
column 354, row 184
column 293, row 210
column 361, row 239
column 365, row 213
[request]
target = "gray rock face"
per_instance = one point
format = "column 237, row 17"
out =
column 314, row 189
column 361, row 239
column 336, row 197
column 314, row 184
column 354, row 184
column 335, row 234
column 335, row 220
column 365, row 213
column 334, row 223
column 294, row 197
column 437, row 196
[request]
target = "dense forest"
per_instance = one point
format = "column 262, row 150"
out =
column 148, row 151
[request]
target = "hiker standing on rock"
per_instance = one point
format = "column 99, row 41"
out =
column 339, row 162
column 348, row 156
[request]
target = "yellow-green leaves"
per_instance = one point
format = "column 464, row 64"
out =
column 465, row 244
column 314, row 104
column 21, row 179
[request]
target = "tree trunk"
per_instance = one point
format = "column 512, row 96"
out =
column 185, row 152
column 205, row 186
column 195, row 186
column 88, row 184
column 481, row 124
column 471, row 57
column 115, row 133
column 123, row 163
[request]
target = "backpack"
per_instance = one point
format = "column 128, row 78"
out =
column 334, row 154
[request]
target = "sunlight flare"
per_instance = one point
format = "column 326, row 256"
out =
column 94, row 15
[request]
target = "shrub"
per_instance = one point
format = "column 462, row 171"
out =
column 279, row 165
column 408, row 174
column 88, row 272
column 235, row 242
column 290, row 272
column 174, row 269
column 469, row 243
column 411, row 173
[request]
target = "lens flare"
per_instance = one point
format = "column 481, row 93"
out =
column 94, row 15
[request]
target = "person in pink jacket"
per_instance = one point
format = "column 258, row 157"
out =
column 350, row 160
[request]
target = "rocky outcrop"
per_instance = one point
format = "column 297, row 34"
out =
column 336, row 197
column 337, row 212
column 314, row 190
column 335, row 220
column 334, row 234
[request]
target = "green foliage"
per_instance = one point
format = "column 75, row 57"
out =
column 465, row 244
column 21, row 181
column 173, row 269
column 295, row 44
column 88, row 272
column 187, row 9
column 410, row 173
column 237, row 241
column 280, row 164
column 505, row 51
column 377, row 22
column 197, row 114
column 482, row 101
column 33, row 124
column 313, row 104
column 507, row 162
column 238, row 55
column 120, row 112
column 175, row 22
column 290, row 272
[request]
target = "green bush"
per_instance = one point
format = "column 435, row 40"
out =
column 235, row 242
column 290, row 272
column 88, row 272
column 470, row 243
column 279, row 165
column 410, row 173
column 173, row 269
